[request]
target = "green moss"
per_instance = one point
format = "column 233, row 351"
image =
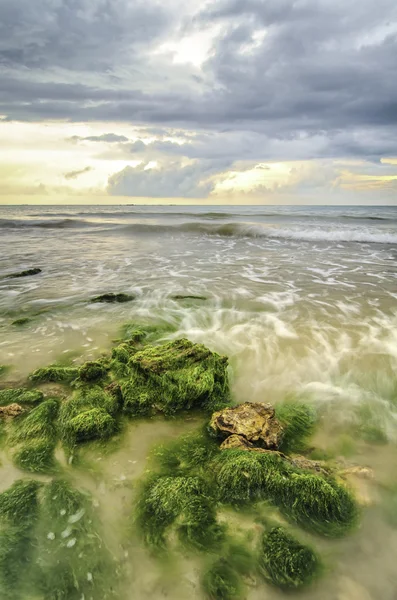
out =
column 92, row 371
column 186, row 502
column 146, row 332
column 249, row 476
column 18, row 504
column 72, row 562
column 34, row 439
column 54, row 374
column 175, row 376
column 221, row 581
column 299, row 422
column 92, row 424
column 20, row 396
column 113, row 298
column 318, row 504
column 88, row 414
column 287, row 562
column 18, row 515
column 26, row 273
column 187, row 454
column 22, row 321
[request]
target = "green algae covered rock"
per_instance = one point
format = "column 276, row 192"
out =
column 221, row 581
column 184, row 501
column 20, row 396
column 54, row 374
column 146, row 332
column 285, row 561
column 72, row 562
column 175, row 376
column 92, row 371
column 89, row 414
column 315, row 502
column 18, row 516
column 34, row 439
column 188, row 454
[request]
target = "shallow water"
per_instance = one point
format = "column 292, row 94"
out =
column 302, row 300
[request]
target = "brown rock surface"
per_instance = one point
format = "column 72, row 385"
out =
column 253, row 421
column 11, row 411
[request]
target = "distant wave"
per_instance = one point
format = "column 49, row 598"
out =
column 312, row 233
column 258, row 231
column 44, row 224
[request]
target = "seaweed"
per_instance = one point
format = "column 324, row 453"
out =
column 18, row 515
column 299, row 422
column 21, row 322
column 146, row 332
column 186, row 501
column 20, row 396
column 88, row 415
column 92, row 371
column 221, row 581
column 243, row 477
column 189, row 453
column 34, row 439
column 54, row 374
column 111, row 298
column 321, row 505
column 287, row 562
column 72, row 562
column 175, row 376
column 26, row 273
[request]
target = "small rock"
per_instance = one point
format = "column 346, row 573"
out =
column 253, row 421
column 11, row 411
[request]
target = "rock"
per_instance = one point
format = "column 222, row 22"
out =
column 357, row 471
column 301, row 462
column 253, row 421
column 26, row 273
column 112, row 298
column 11, row 411
column 236, row 441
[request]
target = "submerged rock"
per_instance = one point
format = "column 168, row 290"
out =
column 175, row 376
column 253, row 421
column 188, row 297
column 113, row 298
column 287, row 562
column 26, row 273
column 54, row 374
column 21, row 322
column 11, row 411
column 21, row 396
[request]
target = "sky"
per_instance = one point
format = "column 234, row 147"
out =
column 218, row 102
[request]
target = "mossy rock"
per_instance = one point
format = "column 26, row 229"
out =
column 285, row 561
column 20, row 396
column 186, row 502
column 111, row 298
column 175, row 376
column 188, row 454
column 34, row 437
column 27, row 273
column 54, row 374
column 146, row 332
column 221, row 581
column 89, row 414
column 92, row 371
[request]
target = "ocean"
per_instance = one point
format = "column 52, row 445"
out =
column 303, row 301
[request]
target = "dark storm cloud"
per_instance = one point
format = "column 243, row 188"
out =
column 284, row 78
